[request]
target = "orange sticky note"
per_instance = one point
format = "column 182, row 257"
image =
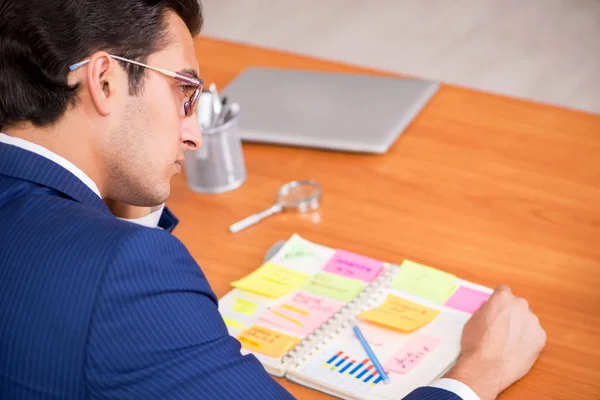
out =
column 398, row 313
column 267, row 341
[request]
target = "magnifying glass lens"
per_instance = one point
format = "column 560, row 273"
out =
column 302, row 196
column 296, row 195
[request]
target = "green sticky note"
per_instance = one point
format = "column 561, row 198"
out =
column 271, row 280
column 424, row 281
column 333, row 286
column 296, row 248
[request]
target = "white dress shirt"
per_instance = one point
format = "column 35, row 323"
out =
column 152, row 219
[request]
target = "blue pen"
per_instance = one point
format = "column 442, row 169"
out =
column 372, row 357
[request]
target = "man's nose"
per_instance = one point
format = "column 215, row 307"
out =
column 190, row 133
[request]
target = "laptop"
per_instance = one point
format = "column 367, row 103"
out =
column 326, row 110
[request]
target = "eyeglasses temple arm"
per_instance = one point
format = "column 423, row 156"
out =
column 162, row 71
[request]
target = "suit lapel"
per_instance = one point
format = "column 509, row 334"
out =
column 26, row 165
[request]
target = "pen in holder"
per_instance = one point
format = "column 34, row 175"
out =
column 218, row 165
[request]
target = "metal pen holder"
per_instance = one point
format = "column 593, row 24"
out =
column 218, row 165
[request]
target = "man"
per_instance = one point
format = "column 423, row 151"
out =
column 92, row 306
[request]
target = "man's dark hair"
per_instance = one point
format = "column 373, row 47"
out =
column 39, row 39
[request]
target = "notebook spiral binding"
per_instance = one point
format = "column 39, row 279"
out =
column 325, row 333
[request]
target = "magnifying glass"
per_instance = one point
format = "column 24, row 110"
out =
column 300, row 195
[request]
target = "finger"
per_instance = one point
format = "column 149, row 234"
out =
column 522, row 304
column 502, row 294
column 498, row 300
column 501, row 287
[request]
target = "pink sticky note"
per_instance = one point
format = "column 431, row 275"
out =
column 303, row 313
column 354, row 266
column 411, row 354
column 467, row 299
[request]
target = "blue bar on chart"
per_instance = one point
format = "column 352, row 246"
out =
column 343, row 360
column 364, row 371
column 332, row 359
column 359, row 366
column 342, row 363
column 350, row 363
column 368, row 378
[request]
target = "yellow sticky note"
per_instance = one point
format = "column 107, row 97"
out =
column 266, row 341
column 271, row 280
column 233, row 323
column 244, row 306
column 424, row 281
column 401, row 314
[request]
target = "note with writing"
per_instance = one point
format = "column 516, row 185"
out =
column 267, row 341
column 302, row 313
column 354, row 266
column 244, row 306
column 401, row 314
column 271, row 280
column 302, row 255
column 424, row 281
column 333, row 286
column 411, row 354
column 295, row 248
column 467, row 299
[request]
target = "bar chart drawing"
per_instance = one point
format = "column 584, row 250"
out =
column 358, row 369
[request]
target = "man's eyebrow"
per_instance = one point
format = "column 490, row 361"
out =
column 189, row 72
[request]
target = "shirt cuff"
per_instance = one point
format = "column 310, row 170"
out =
column 456, row 387
column 150, row 220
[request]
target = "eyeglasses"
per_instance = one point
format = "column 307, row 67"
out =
column 195, row 84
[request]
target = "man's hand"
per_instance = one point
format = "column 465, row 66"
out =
column 122, row 210
column 499, row 345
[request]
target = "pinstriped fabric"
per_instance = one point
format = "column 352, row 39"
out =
column 25, row 165
column 429, row 393
column 94, row 307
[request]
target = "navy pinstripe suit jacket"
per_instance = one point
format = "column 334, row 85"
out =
column 92, row 307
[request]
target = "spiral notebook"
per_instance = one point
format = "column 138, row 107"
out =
column 293, row 314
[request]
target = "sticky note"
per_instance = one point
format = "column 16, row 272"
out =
column 233, row 323
column 333, row 286
column 411, row 354
column 267, row 341
column 296, row 248
column 244, row 306
column 354, row 266
column 401, row 314
column 271, row 280
column 424, row 281
column 302, row 313
column 302, row 255
column 467, row 299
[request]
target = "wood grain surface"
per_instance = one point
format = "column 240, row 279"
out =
column 490, row 188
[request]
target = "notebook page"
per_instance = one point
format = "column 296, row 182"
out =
column 279, row 307
column 414, row 351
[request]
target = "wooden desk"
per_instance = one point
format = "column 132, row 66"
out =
column 492, row 189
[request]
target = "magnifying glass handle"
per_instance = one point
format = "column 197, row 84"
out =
column 253, row 219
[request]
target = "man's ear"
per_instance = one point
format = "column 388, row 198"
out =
column 103, row 73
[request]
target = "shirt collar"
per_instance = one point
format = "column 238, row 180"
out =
column 44, row 152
